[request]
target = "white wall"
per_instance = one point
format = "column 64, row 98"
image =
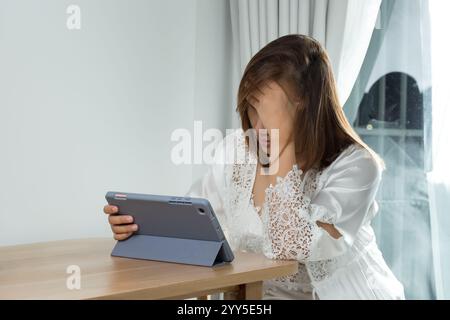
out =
column 212, row 100
column 92, row 110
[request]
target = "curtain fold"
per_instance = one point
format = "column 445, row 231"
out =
column 344, row 27
column 391, row 108
column 437, row 131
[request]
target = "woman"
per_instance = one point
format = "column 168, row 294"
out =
column 310, row 200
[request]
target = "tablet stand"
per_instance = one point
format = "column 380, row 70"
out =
column 187, row 251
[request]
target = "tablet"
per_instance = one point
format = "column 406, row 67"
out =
column 171, row 229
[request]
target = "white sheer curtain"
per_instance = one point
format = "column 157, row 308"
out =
column 400, row 106
column 439, row 176
column 344, row 27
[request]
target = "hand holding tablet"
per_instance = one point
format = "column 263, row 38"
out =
column 165, row 228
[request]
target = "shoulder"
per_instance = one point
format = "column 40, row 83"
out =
column 355, row 163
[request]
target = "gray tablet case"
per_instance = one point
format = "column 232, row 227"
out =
column 171, row 229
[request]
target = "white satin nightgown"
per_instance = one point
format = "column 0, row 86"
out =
column 343, row 194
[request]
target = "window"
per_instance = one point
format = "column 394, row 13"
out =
column 390, row 109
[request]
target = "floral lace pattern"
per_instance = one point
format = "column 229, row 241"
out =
column 298, row 281
column 289, row 228
column 241, row 176
column 320, row 270
column 289, row 232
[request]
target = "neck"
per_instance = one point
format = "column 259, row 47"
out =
column 286, row 155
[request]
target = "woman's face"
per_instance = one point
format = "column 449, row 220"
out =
column 271, row 109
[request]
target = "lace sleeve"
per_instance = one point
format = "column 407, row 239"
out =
column 290, row 232
column 341, row 197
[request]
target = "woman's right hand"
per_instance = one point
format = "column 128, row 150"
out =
column 121, row 225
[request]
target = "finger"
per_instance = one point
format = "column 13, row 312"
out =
column 129, row 228
column 122, row 236
column 120, row 219
column 108, row 209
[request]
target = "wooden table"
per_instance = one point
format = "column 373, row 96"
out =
column 39, row 271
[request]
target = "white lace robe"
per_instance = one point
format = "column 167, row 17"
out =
column 342, row 194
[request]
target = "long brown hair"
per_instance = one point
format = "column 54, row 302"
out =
column 301, row 66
